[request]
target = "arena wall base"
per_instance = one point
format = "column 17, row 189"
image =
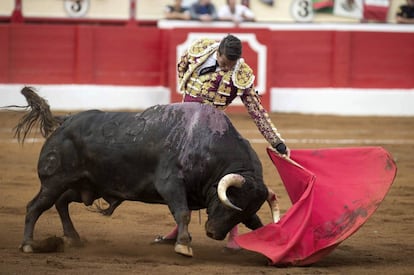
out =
column 336, row 101
column 330, row 101
column 84, row 97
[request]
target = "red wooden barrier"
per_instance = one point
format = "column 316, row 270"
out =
column 146, row 56
column 72, row 54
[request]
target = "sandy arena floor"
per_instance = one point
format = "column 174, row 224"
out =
column 121, row 244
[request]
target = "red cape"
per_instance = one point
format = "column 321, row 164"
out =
column 333, row 192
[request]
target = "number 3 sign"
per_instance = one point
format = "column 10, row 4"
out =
column 76, row 8
column 302, row 10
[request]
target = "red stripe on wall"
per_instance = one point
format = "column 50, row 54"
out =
column 146, row 56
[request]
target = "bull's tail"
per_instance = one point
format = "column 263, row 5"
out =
column 39, row 114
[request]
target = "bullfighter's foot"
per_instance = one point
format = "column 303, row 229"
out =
column 183, row 250
column 163, row 240
column 232, row 245
column 48, row 245
column 167, row 239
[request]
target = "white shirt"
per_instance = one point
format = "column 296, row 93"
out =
column 211, row 60
column 240, row 10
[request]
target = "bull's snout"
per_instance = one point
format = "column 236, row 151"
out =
column 213, row 232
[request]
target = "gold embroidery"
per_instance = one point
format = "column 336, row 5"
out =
column 243, row 76
column 208, row 87
column 216, row 88
column 261, row 118
column 224, row 90
column 196, row 55
column 220, row 100
column 211, row 95
column 202, row 47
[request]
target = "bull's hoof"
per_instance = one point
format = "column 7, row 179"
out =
column 107, row 212
column 183, row 250
column 48, row 245
column 26, row 248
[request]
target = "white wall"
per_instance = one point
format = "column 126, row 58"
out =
column 84, row 97
column 340, row 101
column 350, row 102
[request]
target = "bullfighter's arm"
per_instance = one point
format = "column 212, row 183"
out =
column 262, row 120
column 182, row 66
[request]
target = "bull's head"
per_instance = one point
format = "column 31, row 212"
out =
column 237, row 205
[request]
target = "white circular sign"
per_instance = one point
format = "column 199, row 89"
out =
column 302, row 10
column 76, row 8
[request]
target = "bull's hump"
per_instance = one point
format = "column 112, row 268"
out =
column 195, row 115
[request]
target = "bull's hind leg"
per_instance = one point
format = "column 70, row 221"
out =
column 40, row 203
column 62, row 205
column 113, row 204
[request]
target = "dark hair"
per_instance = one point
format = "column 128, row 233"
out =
column 231, row 47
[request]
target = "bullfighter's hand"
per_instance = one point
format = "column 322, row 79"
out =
column 283, row 150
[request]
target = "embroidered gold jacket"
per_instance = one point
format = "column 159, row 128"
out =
column 220, row 88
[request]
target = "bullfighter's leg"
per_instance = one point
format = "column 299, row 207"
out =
column 231, row 243
column 254, row 222
column 168, row 238
column 40, row 203
column 172, row 236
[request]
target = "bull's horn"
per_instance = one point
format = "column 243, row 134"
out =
column 225, row 182
column 274, row 205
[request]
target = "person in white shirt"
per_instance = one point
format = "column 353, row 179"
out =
column 235, row 12
column 177, row 11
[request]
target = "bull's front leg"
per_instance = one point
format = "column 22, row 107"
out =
column 173, row 191
column 183, row 243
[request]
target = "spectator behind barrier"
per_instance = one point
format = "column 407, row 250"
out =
column 203, row 10
column 177, row 11
column 405, row 14
column 268, row 2
column 245, row 3
column 235, row 12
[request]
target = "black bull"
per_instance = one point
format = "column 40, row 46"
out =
column 188, row 156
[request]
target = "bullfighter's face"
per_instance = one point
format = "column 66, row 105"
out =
column 224, row 63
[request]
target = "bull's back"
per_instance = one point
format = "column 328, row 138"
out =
column 129, row 147
column 174, row 123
